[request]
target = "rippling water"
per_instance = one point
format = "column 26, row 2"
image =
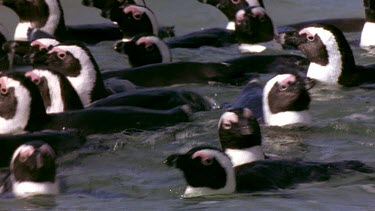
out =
column 125, row 171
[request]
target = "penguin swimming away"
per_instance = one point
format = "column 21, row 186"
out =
column 209, row 171
column 143, row 50
column 331, row 57
column 47, row 17
column 33, row 171
column 22, row 110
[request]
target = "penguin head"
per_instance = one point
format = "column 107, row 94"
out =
column 144, row 50
column 33, row 170
column 239, row 129
column 253, row 25
column 286, row 100
column 207, row 171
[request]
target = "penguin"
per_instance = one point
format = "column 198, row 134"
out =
column 237, row 71
column 59, row 96
column 283, row 101
column 57, row 92
column 47, row 18
column 33, row 171
column 367, row 34
column 240, row 136
column 255, row 31
column 209, row 171
column 229, row 8
column 286, row 101
column 23, row 111
column 143, row 50
column 157, row 98
column 331, row 57
column 75, row 61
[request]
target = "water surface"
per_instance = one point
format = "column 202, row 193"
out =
column 125, row 172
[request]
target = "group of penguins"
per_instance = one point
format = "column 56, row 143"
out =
column 49, row 110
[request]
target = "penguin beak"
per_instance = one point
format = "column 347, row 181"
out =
column 292, row 39
column 172, row 160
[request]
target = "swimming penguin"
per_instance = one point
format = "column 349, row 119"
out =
column 61, row 141
column 209, row 171
column 255, row 31
column 59, row 96
column 75, row 61
column 284, row 101
column 240, row 136
column 57, row 92
column 332, row 60
column 47, row 17
column 33, row 171
column 143, row 50
column 23, row 110
column 368, row 31
column 229, row 8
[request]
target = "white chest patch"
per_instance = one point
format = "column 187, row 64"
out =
column 85, row 81
column 368, row 35
column 242, row 156
column 57, row 104
column 21, row 31
column 27, row 189
column 17, row 124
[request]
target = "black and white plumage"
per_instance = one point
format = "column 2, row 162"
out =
column 209, row 171
column 255, row 30
column 32, row 171
column 331, row 58
column 144, row 50
column 40, row 19
column 22, row 110
column 57, row 92
column 286, row 101
column 4, row 37
column 240, row 136
column 75, row 61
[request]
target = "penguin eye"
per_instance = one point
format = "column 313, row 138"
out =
column 261, row 19
column 236, row 1
column 149, row 47
column 310, row 38
column 227, row 125
column 283, row 88
column 137, row 16
column 23, row 158
column 4, row 91
column 207, row 161
column 61, row 55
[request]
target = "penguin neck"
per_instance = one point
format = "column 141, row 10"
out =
column 246, row 155
column 287, row 118
column 340, row 62
column 30, row 188
column 55, row 93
